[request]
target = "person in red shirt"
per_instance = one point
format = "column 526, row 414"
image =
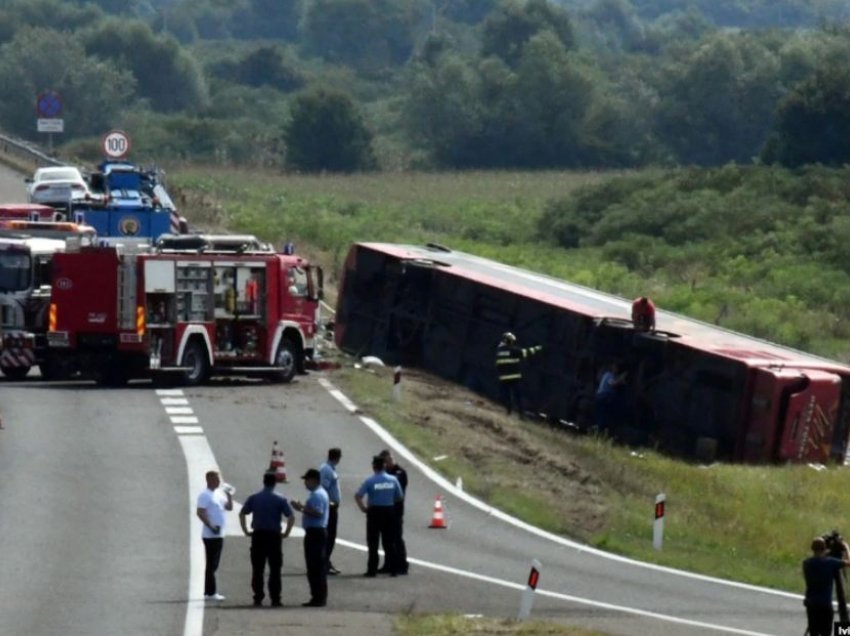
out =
column 643, row 314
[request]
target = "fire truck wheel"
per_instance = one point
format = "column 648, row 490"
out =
column 15, row 373
column 286, row 361
column 195, row 357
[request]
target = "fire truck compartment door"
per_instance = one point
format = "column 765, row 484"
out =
column 159, row 277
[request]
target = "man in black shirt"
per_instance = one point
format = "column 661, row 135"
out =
column 401, row 474
column 820, row 570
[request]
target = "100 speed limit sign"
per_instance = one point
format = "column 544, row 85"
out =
column 116, row 144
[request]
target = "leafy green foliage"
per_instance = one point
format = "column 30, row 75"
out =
column 326, row 132
column 508, row 29
column 37, row 59
column 165, row 74
column 370, row 35
column 264, row 66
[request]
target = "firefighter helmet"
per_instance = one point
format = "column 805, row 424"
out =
column 508, row 338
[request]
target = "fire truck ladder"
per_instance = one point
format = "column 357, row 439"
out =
column 127, row 281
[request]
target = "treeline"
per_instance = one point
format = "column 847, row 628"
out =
column 756, row 249
column 439, row 83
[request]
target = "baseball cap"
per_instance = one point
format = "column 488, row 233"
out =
column 311, row 474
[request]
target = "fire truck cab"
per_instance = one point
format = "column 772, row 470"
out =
column 24, row 297
column 190, row 307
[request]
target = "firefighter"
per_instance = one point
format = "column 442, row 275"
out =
column 643, row 314
column 509, row 359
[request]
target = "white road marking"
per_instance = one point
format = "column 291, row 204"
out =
column 174, row 401
column 565, row 597
column 179, row 410
column 199, row 459
column 444, row 483
column 169, row 392
column 184, row 419
column 189, row 430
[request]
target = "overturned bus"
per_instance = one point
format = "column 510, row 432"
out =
column 693, row 389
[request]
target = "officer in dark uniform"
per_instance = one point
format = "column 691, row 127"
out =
column 267, row 508
column 401, row 549
column 315, row 523
column 382, row 491
column 509, row 359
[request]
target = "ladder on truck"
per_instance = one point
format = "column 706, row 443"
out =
column 127, row 292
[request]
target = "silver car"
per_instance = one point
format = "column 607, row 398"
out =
column 56, row 186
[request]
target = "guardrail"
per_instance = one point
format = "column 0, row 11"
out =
column 25, row 154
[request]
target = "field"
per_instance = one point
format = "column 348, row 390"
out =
column 747, row 523
column 413, row 625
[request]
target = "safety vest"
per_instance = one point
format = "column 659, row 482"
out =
column 508, row 361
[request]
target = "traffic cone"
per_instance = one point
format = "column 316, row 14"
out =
column 438, row 519
column 277, row 465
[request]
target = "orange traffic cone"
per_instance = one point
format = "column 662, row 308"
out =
column 277, row 465
column 438, row 519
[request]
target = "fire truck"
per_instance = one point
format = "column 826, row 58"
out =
column 26, row 252
column 24, row 299
column 193, row 306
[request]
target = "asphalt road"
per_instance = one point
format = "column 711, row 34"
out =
column 96, row 524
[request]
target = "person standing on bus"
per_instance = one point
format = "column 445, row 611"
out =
column 643, row 314
column 509, row 359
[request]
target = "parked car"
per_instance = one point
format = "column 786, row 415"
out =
column 56, row 186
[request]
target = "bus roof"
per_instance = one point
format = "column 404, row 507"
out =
column 600, row 305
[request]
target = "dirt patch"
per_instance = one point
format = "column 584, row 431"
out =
column 506, row 455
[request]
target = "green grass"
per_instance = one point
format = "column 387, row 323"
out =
column 451, row 625
column 746, row 523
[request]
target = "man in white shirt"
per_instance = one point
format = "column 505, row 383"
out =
column 211, row 506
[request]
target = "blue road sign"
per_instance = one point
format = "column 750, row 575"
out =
column 49, row 105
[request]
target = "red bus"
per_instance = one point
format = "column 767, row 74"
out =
column 693, row 389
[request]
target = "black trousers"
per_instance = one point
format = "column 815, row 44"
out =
column 382, row 527
column 400, row 547
column 213, row 549
column 820, row 620
column 316, row 558
column 266, row 548
column 511, row 395
column 333, row 520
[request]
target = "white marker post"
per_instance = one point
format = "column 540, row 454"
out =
column 528, row 594
column 658, row 524
column 397, row 384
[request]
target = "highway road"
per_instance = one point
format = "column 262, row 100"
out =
column 98, row 535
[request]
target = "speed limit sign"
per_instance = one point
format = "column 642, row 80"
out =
column 116, row 144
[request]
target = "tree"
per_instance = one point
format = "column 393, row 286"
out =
column 717, row 104
column 813, row 121
column 369, row 35
column 165, row 73
column 325, row 132
column 271, row 19
column 264, row 66
column 510, row 27
column 37, row 59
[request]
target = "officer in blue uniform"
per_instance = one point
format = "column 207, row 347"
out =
column 315, row 523
column 330, row 482
column 267, row 508
column 382, row 491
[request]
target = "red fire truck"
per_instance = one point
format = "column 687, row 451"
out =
column 193, row 306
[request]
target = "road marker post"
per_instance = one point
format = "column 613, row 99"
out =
column 658, row 524
column 397, row 384
column 527, row 600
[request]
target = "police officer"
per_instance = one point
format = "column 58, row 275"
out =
column 315, row 524
column 399, row 473
column 330, row 482
column 382, row 491
column 509, row 359
column 267, row 509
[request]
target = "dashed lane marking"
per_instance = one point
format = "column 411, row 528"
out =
column 189, row 430
column 174, row 401
column 184, row 419
column 179, row 410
